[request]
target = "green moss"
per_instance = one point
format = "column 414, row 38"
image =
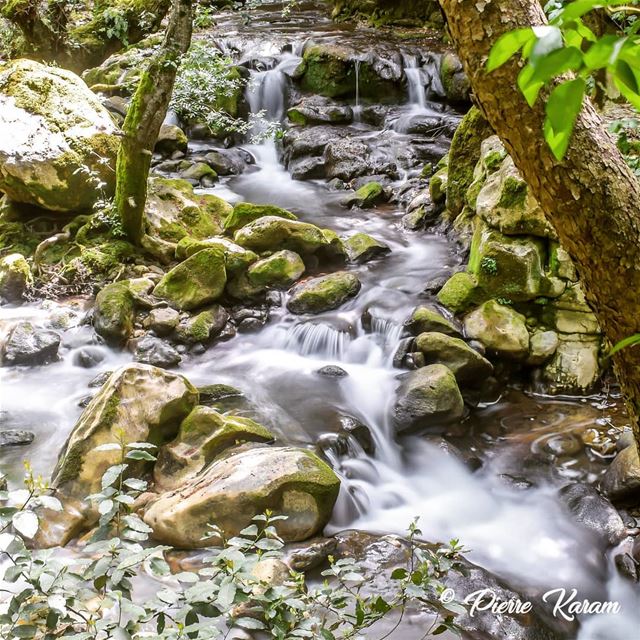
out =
column 281, row 269
column 369, row 195
column 245, row 212
column 460, row 292
column 514, row 193
column 324, row 293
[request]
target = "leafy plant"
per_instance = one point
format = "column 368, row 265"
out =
column 564, row 55
column 115, row 24
column 92, row 596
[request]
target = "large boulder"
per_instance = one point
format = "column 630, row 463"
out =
column 575, row 365
column 361, row 247
column 28, row 344
column 114, row 312
column 500, row 328
column 468, row 366
column 427, row 397
column 291, row 482
column 621, row 481
column 138, row 403
column 236, row 258
column 15, row 277
column 425, row 319
column 195, row 282
column 323, row 293
column 272, row 233
column 204, row 435
column 58, row 144
column 245, row 212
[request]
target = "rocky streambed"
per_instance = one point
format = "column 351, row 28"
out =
column 357, row 323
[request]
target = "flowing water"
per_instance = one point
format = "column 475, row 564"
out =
column 524, row 535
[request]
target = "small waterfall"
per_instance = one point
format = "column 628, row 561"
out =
column 315, row 339
column 416, row 82
column 357, row 110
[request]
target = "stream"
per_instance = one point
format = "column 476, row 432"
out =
column 499, row 497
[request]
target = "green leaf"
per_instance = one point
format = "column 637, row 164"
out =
column 604, row 52
column 529, row 89
column 562, row 108
column 140, row 455
column 112, row 474
column 555, row 64
column 399, row 574
column 549, row 38
column 623, row 344
column 507, row 45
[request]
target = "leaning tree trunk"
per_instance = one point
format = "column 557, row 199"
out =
column 591, row 197
column 145, row 116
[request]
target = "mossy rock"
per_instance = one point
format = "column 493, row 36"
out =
column 505, row 203
column 236, row 258
column 464, row 155
column 438, row 185
column 280, row 269
column 171, row 139
column 323, row 293
column 379, row 13
column 500, row 328
column 15, row 277
column 367, row 196
column 203, row 327
column 362, row 247
column 204, row 434
column 114, row 312
column 575, row 366
column 173, row 211
column 424, row 319
column 467, row 365
column 291, row 482
column 245, row 212
column 507, row 267
column 460, row 292
column 273, row 233
column 454, row 80
column 59, row 139
column 139, row 403
column 197, row 281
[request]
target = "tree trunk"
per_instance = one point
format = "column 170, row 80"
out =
column 591, row 197
column 145, row 116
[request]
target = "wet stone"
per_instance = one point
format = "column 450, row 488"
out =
column 15, row 437
column 332, row 371
column 88, row 357
column 156, row 352
column 30, row 345
column 311, row 554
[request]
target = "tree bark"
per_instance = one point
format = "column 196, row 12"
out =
column 145, row 116
column 592, row 198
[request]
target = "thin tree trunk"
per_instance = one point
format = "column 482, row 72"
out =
column 145, row 116
column 592, row 198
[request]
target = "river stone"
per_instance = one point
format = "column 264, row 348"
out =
column 594, row 512
column 173, row 211
column 88, row 357
column 144, row 404
column 236, row 258
column 453, row 78
column 114, row 312
column 27, row 344
column 245, row 212
column 56, row 139
column 506, row 266
column 15, row 437
column 367, row 196
column 203, row 327
column 324, row 293
column 162, row 321
column 204, row 434
column 231, row 491
column 272, row 233
column 427, row 397
column 311, row 554
column 199, row 173
column 543, row 345
column 171, row 139
column 621, row 481
column 361, row 247
column 318, row 110
column 575, row 365
column 438, row 186
column 501, row 329
column 505, row 203
column 424, row 319
column 195, row 282
column 468, row 366
column 156, row 352
column 15, row 277
column 280, row 269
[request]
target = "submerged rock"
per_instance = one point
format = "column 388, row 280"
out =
column 15, row 277
column 427, row 397
column 57, row 140
column 324, row 293
column 231, row 491
column 500, row 328
column 468, row 366
column 204, row 434
column 28, row 344
column 139, row 403
column 195, row 282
